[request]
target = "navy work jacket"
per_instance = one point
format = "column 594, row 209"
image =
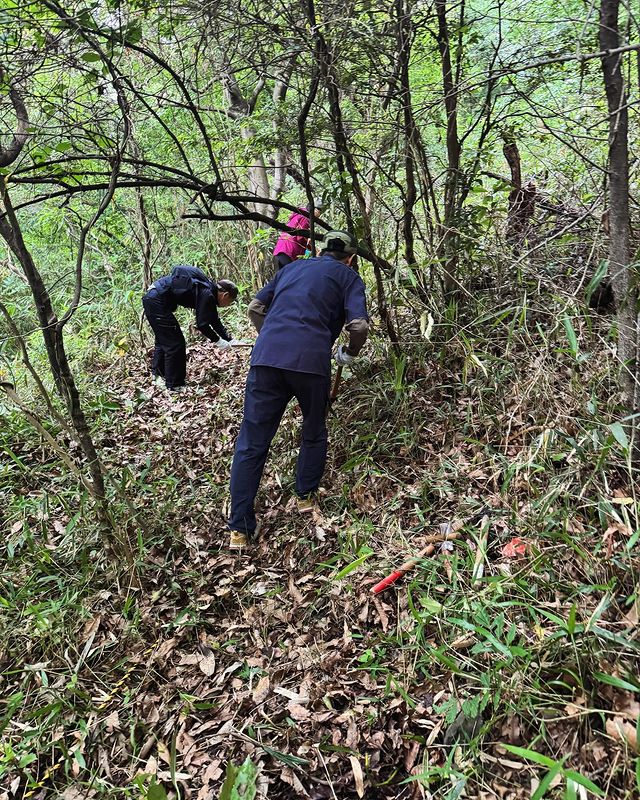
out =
column 189, row 287
column 308, row 302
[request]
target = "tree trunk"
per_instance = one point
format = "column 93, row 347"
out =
column 449, row 235
column 345, row 162
column 147, row 267
column 522, row 200
column 404, row 53
column 281, row 155
column 54, row 343
column 52, row 326
column 624, row 278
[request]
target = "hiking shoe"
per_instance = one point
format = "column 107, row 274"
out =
column 242, row 541
column 306, row 505
column 239, row 540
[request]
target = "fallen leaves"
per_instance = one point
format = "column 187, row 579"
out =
column 262, row 690
column 516, row 548
column 623, row 731
column 298, row 712
column 358, row 776
column 207, row 661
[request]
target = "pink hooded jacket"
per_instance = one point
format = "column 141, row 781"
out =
column 294, row 246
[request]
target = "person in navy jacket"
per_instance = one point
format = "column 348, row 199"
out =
column 298, row 315
column 189, row 287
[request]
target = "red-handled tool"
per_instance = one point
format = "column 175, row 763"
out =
column 406, row 567
column 411, row 563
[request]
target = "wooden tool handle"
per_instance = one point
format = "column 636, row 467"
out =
column 336, row 384
column 452, row 532
column 406, row 567
column 442, row 537
column 411, row 562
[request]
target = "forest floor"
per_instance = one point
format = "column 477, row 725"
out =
column 503, row 668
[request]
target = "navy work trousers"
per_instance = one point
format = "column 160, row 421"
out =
column 170, row 353
column 267, row 394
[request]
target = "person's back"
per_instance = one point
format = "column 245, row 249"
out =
column 308, row 303
column 182, row 286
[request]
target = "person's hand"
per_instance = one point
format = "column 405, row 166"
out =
column 223, row 344
column 342, row 357
column 238, row 343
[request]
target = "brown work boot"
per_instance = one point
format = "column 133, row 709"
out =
column 307, row 505
column 242, row 541
column 238, row 540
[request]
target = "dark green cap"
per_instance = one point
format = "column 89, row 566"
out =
column 341, row 242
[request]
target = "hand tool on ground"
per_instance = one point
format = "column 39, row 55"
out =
column 412, row 562
column 448, row 532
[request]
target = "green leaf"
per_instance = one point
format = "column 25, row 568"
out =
column 571, row 622
column 245, row 783
column 620, row 435
column 27, row 759
column 430, row 605
column 133, row 33
column 531, row 755
column 619, row 683
column 90, row 57
column 286, row 758
column 156, row 792
column 599, row 274
column 578, row 778
column 478, row 629
column 571, row 335
column 350, row 567
column 446, row 661
column 229, row 780
column 553, row 617
column 610, row 636
column 545, row 783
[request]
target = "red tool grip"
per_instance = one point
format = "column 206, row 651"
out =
column 388, row 581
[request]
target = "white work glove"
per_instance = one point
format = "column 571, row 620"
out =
column 342, row 357
column 237, row 343
column 223, row 344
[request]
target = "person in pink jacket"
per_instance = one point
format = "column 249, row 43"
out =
column 290, row 247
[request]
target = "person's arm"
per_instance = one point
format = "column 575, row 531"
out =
column 259, row 306
column 207, row 319
column 355, row 311
column 358, row 330
column 257, row 312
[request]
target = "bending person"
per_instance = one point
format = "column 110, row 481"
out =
column 298, row 315
column 189, row 287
